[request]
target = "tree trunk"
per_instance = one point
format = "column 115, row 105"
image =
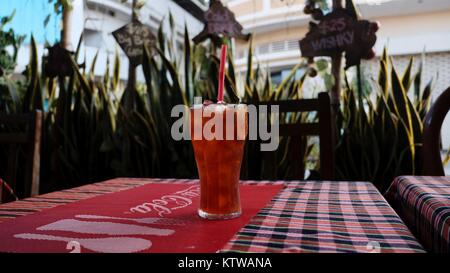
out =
column 336, row 65
column 66, row 27
column 131, row 68
column 335, row 96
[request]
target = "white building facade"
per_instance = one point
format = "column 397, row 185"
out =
column 97, row 19
column 408, row 28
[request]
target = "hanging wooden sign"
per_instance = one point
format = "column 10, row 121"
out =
column 133, row 38
column 220, row 21
column 58, row 62
column 339, row 32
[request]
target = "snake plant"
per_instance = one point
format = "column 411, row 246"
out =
column 96, row 129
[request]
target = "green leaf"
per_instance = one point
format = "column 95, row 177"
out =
column 77, row 51
column 351, row 9
column 403, row 109
column 116, row 71
column 322, row 65
column 13, row 93
column 187, row 64
column 46, row 20
column 401, row 101
column 7, row 19
column 446, row 160
column 249, row 77
column 383, row 80
column 174, row 75
column 230, row 89
column 33, row 97
column 406, row 79
column 285, row 81
column 94, row 62
column 418, row 83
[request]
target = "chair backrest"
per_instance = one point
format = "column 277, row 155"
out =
column 299, row 131
column 432, row 162
column 21, row 132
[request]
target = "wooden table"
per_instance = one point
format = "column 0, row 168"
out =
column 305, row 216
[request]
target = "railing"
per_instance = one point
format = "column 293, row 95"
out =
column 273, row 47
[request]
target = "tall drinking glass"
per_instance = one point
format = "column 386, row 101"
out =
column 218, row 133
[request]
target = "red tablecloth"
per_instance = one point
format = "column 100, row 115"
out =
column 303, row 217
column 156, row 218
column 424, row 204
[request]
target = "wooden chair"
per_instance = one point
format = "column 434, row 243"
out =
column 21, row 133
column 298, row 133
column 431, row 149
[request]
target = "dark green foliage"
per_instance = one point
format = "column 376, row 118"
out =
column 381, row 133
column 95, row 130
column 10, row 93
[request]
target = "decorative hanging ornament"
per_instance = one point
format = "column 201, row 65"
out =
column 133, row 38
column 58, row 63
column 339, row 31
column 220, row 21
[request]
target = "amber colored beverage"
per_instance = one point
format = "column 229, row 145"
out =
column 219, row 160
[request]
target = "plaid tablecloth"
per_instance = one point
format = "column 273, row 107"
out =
column 424, row 205
column 303, row 217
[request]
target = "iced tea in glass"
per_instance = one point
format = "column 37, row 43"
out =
column 218, row 133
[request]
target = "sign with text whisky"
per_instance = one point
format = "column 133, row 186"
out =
column 132, row 38
column 219, row 20
column 340, row 32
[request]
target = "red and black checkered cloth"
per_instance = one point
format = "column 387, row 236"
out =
column 303, row 217
column 326, row 217
column 424, row 205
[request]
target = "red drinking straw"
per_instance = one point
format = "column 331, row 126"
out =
column 223, row 59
